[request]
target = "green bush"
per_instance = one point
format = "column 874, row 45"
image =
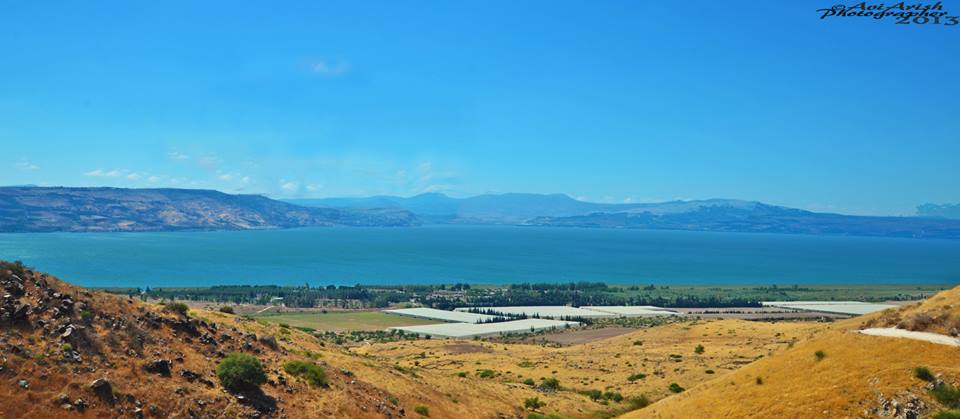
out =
column 549, row 385
column 637, row 376
column 533, row 403
column 592, row 394
column 421, row 409
column 314, row 374
column 227, row 309
column 947, row 395
column 759, row 380
column 179, row 308
column 923, row 373
column 674, row 387
column 486, row 374
column 530, row 382
column 462, row 374
column 639, row 402
column 820, row 355
column 613, row 395
column 638, row 343
column 699, row 349
column 240, row 372
column 709, row 372
column 947, row 414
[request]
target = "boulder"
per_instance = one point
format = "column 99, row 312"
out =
column 103, row 389
column 159, row 366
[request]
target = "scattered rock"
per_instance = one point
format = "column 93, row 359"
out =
column 159, row 366
column 103, row 389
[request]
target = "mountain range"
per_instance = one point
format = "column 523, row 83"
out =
column 45, row 209
column 724, row 215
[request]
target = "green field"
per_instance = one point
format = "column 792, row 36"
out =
column 343, row 320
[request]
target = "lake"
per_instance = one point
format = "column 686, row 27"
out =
column 479, row 254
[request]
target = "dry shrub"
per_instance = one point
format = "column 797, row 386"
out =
column 916, row 322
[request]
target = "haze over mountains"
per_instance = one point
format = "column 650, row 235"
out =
column 725, row 215
column 44, row 209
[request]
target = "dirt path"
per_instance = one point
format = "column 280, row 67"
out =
column 924, row 336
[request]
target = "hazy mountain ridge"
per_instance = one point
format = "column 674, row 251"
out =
column 722, row 215
column 939, row 210
column 43, row 209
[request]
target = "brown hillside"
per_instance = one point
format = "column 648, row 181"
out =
column 857, row 376
column 58, row 339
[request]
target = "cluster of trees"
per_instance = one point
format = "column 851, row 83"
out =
column 292, row 296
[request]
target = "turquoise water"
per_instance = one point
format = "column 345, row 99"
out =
column 479, row 254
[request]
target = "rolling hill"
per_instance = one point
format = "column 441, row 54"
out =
column 838, row 372
column 43, row 209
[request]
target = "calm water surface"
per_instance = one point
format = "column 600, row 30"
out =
column 479, row 254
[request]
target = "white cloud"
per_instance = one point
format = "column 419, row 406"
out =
column 330, row 69
column 245, row 179
column 105, row 173
column 153, row 179
column 289, row 186
column 313, row 187
column 225, row 177
column 25, row 165
column 176, row 155
column 134, row 176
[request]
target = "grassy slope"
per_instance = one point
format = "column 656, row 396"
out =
column 602, row 365
column 856, row 370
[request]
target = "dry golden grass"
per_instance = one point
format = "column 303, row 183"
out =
column 855, row 372
column 602, row 365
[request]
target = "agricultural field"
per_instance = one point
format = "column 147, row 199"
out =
column 343, row 321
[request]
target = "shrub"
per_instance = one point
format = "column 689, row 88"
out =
column 486, row 374
column 637, row 376
column 549, row 385
column 639, row 402
column 529, row 382
column 314, row 374
column 422, row 410
column 759, row 380
column 284, row 326
column 179, row 308
column 820, row 355
column 699, row 349
column 638, row 343
column 675, row 388
column 923, row 373
column 947, row 395
column 227, row 309
column 86, row 314
column 613, row 395
column 240, row 372
column 592, row 394
column 462, row 374
column 533, row 403
column 947, row 414
column 709, row 371
column 393, row 400
column 66, row 347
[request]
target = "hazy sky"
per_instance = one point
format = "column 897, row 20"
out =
column 603, row 100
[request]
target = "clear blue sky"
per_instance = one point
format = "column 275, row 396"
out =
column 602, row 100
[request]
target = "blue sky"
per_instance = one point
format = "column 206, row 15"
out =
column 612, row 101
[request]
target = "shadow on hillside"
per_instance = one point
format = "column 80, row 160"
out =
column 259, row 400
